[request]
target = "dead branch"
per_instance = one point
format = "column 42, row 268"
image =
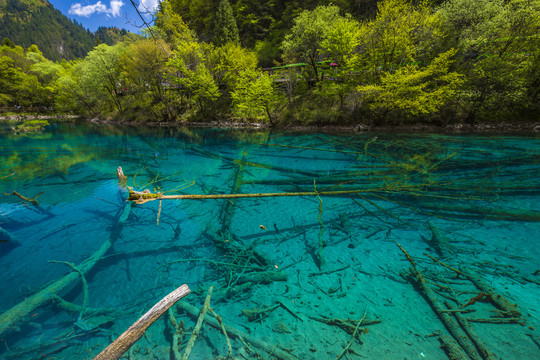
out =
column 119, row 346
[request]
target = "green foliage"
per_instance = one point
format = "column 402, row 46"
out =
column 99, row 79
column 225, row 29
column 113, row 35
column 256, row 97
column 500, row 41
column 198, row 15
column 400, row 34
column 144, row 65
column 310, row 30
column 229, row 61
column 170, row 25
column 341, row 40
column 191, row 71
column 415, row 90
column 396, row 62
column 31, row 126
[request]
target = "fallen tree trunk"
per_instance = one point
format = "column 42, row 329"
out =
column 451, row 325
column 142, row 197
column 25, row 307
column 8, row 242
column 235, row 333
column 119, row 346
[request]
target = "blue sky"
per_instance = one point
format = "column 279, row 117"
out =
column 95, row 13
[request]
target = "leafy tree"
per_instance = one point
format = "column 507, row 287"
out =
column 400, row 34
column 170, row 24
column 310, row 29
column 8, row 42
column 229, row 61
column 144, row 65
column 415, row 90
column 498, row 41
column 190, row 67
column 101, row 73
column 10, row 76
column 198, row 15
column 256, row 96
column 225, row 29
column 341, row 45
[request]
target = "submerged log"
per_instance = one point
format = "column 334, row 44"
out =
column 491, row 213
column 451, row 325
column 141, row 197
column 8, row 242
column 235, row 333
column 439, row 241
column 508, row 308
column 49, row 293
column 119, row 346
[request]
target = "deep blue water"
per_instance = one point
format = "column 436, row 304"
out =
column 331, row 260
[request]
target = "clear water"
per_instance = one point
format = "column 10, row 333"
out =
column 330, row 256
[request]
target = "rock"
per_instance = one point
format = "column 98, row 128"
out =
column 361, row 127
column 281, row 328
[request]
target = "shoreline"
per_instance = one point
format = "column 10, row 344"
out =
column 531, row 128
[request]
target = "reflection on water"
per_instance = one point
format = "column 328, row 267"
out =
column 300, row 277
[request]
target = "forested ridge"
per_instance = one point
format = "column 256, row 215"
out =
column 27, row 22
column 299, row 62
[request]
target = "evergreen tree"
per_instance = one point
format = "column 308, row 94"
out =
column 8, row 42
column 225, row 30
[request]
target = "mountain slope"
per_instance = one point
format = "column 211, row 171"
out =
column 27, row 22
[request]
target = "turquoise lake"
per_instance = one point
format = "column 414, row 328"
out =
column 400, row 246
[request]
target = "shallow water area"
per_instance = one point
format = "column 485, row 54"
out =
column 388, row 246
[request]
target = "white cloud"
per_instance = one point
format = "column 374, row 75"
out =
column 97, row 8
column 148, row 6
column 115, row 7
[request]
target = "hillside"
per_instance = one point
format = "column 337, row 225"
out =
column 113, row 35
column 27, row 22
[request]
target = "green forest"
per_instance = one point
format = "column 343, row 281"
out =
column 390, row 62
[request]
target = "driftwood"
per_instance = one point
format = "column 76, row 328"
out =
column 492, row 213
column 200, row 320
column 49, row 293
column 452, row 348
column 33, row 201
column 347, row 325
column 220, row 321
column 119, row 346
column 178, row 332
column 140, row 197
column 321, row 260
column 353, row 337
column 258, row 313
column 508, row 308
column 484, row 352
column 439, row 242
column 235, row 333
column 265, row 277
column 453, row 327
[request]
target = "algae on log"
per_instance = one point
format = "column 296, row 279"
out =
column 22, row 309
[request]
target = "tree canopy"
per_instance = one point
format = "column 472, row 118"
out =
column 296, row 61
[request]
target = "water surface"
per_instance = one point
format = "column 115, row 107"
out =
column 324, row 266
